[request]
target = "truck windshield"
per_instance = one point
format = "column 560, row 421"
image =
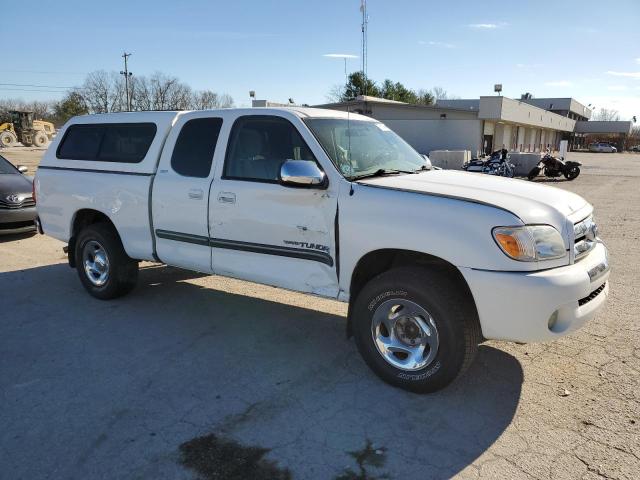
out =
column 360, row 148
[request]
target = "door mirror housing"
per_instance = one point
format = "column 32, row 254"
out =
column 302, row 173
column 22, row 169
column 427, row 163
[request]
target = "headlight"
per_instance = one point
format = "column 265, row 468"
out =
column 530, row 243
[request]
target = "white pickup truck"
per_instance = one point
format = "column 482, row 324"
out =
column 334, row 204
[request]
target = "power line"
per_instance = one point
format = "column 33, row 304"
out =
column 30, row 90
column 32, row 85
column 41, row 71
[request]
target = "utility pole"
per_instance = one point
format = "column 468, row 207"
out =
column 365, row 22
column 126, row 74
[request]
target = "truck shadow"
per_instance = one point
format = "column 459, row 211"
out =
column 175, row 360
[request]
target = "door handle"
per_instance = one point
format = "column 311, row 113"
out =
column 196, row 193
column 227, row 197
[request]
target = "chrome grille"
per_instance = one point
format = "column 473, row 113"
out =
column 24, row 201
column 585, row 234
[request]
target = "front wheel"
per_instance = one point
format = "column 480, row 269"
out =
column 40, row 139
column 8, row 139
column 104, row 268
column 572, row 173
column 414, row 329
column 535, row 171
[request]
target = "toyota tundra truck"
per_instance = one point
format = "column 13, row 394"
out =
column 431, row 262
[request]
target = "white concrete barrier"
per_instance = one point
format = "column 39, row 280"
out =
column 524, row 162
column 449, row 159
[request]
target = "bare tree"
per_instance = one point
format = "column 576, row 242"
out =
column 204, row 100
column 140, row 93
column 336, row 94
column 41, row 110
column 104, row 92
column 439, row 93
column 607, row 115
column 225, row 101
column 180, row 97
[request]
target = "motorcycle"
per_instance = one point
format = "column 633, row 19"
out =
column 497, row 164
column 554, row 167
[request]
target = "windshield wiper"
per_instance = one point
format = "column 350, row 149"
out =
column 381, row 172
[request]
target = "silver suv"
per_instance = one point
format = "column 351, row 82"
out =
column 602, row 147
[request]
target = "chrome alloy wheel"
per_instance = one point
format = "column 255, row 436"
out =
column 405, row 334
column 96, row 263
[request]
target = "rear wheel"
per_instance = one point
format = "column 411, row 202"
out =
column 572, row 173
column 40, row 139
column 415, row 329
column 8, row 139
column 103, row 266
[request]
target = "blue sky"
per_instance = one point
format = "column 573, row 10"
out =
column 586, row 49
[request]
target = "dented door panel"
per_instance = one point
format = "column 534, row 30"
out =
column 276, row 235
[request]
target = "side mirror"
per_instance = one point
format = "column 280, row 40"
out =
column 301, row 173
column 22, row 169
column 427, row 163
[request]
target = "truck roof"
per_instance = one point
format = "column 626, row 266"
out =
column 166, row 115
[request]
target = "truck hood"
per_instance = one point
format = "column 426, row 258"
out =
column 531, row 202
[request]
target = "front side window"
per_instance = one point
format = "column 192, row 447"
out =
column 360, row 148
column 193, row 153
column 259, row 145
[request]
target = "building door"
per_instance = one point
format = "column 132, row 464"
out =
column 488, row 144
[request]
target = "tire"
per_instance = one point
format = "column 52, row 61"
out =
column 40, row 139
column 510, row 172
column 7, row 139
column 572, row 173
column 535, row 171
column 430, row 299
column 97, row 246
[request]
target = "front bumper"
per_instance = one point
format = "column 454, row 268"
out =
column 19, row 220
column 540, row 306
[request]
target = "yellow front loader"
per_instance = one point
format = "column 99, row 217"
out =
column 29, row 132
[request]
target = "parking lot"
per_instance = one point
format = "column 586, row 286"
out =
column 94, row 389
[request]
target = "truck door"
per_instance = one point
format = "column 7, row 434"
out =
column 181, row 192
column 261, row 230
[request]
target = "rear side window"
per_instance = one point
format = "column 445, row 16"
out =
column 193, row 153
column 81, row 142
column 126, row 143
column 108, row 142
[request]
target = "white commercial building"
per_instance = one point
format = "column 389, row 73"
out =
column 486, row 124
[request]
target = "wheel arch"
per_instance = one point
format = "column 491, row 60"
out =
column 378, row 261
column 80, row 220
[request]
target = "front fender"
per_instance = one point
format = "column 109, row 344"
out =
column 454, row 230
